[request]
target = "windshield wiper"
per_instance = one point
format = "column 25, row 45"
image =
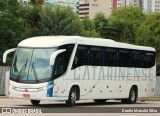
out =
column 34, row 72
column 23, row 68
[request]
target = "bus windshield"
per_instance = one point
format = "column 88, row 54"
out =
column 31, row 65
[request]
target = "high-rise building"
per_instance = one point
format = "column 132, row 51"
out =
column 151, row 6
column 147, row 6
column 114, row 4
column 155, row 5
column 96, row 6
column 83, row 8
column 90, row 8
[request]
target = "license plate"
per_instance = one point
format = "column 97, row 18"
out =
column 26, row 95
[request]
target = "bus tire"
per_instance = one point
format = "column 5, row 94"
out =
column 72, row 98
column 100, row 100
column 35, row 102
column 132, row 97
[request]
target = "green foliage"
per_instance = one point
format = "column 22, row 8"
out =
column 148, row 34
column 38, row 3
column 11, row 24
column 129, row 19
column 115, row 28
column 101, row 24
column 59, row 20
column 88, row 29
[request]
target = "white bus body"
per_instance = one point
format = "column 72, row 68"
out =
column 71, row 68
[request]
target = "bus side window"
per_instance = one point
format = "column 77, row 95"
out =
column 62, row 61
column 136, row 61
column 96, row 58
column 60, row 65
column 81, row 57
column 124, row 59
column 148, row 59
column 110, row 57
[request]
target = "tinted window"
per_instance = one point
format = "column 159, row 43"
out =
column 137, row 59
column 81, row 57
column 62, row 60
column 148, row 59
column 124, row 58
column 96, row 56
column 110, row 57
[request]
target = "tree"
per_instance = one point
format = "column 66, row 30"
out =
column 101, row 25
column 59, row 20
column 31, row 16
column 88, row 29
column 131, row 17
column 148, row 34
column 115, row 28
column 11, row 24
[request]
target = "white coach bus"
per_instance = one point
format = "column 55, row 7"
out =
column 70, row 68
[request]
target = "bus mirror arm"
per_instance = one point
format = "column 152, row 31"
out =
column 6, row 53
column 54, row 55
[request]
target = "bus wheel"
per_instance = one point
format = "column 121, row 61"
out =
column 132, row 97
column 35, row 102
column 99, row 100
column 72, row 98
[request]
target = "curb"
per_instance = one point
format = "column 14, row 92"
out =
column 149, row 99
column 4, row 97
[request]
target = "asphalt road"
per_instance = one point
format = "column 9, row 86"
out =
column 87, row 107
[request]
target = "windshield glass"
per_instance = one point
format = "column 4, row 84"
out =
column 31, row 64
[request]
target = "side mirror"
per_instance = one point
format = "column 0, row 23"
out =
column 54, row 55
column 6, row 53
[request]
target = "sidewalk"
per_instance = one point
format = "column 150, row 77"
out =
column 155, row 98
column 4, row 97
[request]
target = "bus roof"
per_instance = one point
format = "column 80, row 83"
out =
column 54, row 41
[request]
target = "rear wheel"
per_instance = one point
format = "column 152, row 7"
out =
column 72, row 98
column 99, row 100
column 132, row 97
column 35, row 102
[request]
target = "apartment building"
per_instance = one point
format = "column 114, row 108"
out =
column 90, row 8
column 83, row 8
column 96, row 6
column 114, row 4
column 155, row 5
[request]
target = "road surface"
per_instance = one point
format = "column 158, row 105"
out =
column 83, row 107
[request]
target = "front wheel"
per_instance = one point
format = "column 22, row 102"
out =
column 72, row 98
column 132, row 97
column 35, row 102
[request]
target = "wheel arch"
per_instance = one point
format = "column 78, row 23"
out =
column 136, row 88
column 77, row 89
